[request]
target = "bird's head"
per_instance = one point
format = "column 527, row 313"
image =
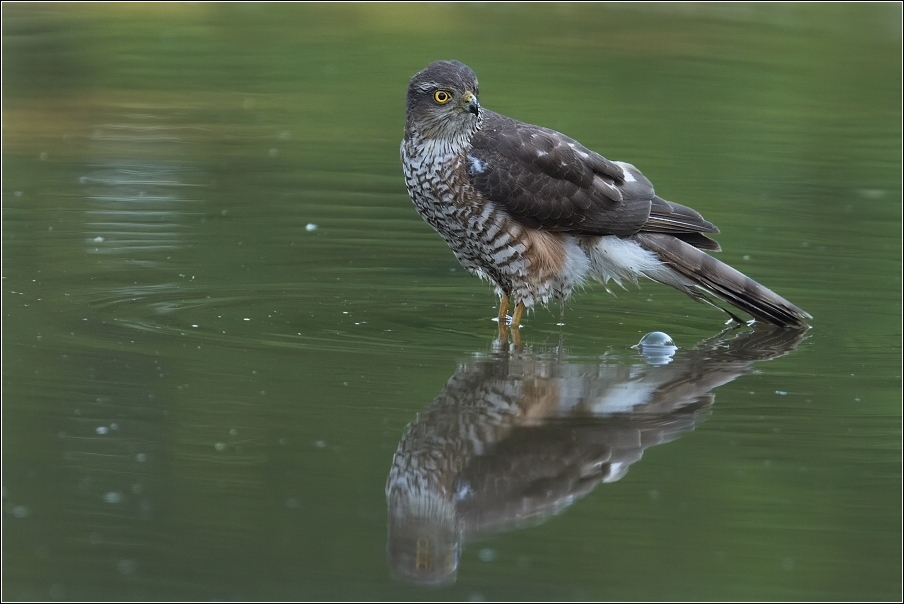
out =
column 442, row 101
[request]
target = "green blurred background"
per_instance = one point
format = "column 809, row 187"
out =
column 220, row 309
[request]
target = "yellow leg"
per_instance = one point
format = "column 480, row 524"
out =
column 516, row 318
column 503, row 311
column 516, row 339
column 503, row 319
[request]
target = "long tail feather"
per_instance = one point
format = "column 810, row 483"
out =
column 717, row 278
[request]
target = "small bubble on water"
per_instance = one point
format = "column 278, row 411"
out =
column 101, row 430
column 126, row 567
column 310, row 227
column 657, row 338
column 20, row 511
column 487, row 555
column 220, row 446
column 657, row 348
column 320, row 444
column 141, row 457
column 113, row 497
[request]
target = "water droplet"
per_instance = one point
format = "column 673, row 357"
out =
column 657, row 348
column 20, row 511
column 101, row 430
column 310, row 227
column 487, row 555
column 656, row 338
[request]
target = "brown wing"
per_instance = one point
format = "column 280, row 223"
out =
column 547, row 180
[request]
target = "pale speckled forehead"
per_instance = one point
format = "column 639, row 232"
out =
column 453, row 75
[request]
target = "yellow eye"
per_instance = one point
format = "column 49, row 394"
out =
column 442, row 97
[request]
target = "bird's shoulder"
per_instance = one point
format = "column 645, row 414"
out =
column 548, row 180
column 556, row 154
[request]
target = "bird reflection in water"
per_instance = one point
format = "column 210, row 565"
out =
column 516, row 437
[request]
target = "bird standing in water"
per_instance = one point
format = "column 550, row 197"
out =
column 536, row 213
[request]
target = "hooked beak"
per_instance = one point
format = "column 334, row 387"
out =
column 471, row 104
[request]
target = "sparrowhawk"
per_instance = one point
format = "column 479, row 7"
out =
column 536, row 213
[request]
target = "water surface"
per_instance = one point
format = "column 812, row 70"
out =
column 221, row 312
